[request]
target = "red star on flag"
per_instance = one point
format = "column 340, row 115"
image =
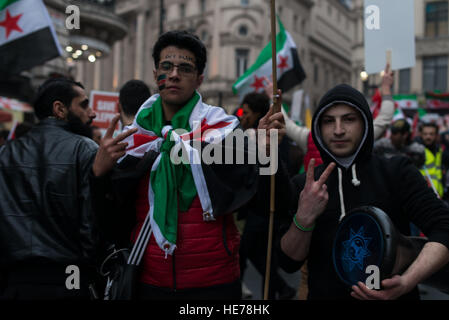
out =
column 258, row 83
column 10, row 23
column 283, row 64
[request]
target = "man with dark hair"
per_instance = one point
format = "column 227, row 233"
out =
column 255, row 106
column 132, row 95
column 435, row 157
column 399, row 143
column 46, row 219
column 351, row 177
column 78, row 117
column 184, row 210
column 253, row 244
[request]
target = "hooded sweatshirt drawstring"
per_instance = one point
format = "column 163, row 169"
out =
column 340, row 191
column 355, row 182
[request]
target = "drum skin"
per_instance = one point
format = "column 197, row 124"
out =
column 365, row 237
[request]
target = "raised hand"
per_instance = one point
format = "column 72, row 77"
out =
column 273, row 121
column 387, row 81
column 111, row 149
column 314, row 197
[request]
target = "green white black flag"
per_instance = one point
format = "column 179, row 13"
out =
column 27, row 37
column 289, row 69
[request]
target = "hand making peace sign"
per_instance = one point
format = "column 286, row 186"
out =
column 313, row 198
column 111, row 149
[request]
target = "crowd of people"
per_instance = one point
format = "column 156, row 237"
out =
column 70, row 196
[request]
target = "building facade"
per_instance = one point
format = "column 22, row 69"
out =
column 430, row 72
column 234, row 31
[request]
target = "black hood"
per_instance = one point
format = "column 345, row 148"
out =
column 344, row 94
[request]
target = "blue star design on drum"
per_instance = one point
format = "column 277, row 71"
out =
column 355, row 250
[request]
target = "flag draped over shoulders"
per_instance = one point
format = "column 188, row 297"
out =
column 174, row 184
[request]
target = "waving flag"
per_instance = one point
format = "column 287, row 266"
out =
column 437, row 100
column 406, row 101
column 289, row 69
column 27, row 37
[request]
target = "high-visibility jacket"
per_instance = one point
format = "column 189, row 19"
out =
column 434, row 170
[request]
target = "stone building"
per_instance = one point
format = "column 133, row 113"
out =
column 432, row 52
column 234, row 31
column 98, row 30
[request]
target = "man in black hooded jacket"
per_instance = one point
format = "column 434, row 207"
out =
column 350, row 177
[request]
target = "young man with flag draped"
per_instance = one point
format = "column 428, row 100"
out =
column 185, row 208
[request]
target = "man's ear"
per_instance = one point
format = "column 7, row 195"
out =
column 155, row 75
column 60, row 111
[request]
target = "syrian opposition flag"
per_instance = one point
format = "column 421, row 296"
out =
column 406, row 101
column 172, row 186
column 289, row 69
column 437, row 100
column 27, row 37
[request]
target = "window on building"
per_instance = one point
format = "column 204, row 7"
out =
column 329, row 9
column 435, row 73
column 303, row 26
column 244, row 2
column 295, row 22
column 437, row 18
column 243, row 30
column 203, row 6
column 204, row 35
column 315, row 74
column 241, row 61
column 182, row 10
column 404, row 81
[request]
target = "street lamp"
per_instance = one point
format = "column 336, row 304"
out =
column 363, row 76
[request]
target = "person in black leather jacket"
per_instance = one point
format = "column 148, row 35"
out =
column 46, row 217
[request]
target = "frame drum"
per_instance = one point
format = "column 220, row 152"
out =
column 367, row 237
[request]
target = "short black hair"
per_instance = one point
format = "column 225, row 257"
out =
column 182, row 39
column 428, row 124
column 400, row 126
column 257, row 102
column 132, row 95
column 55, row 89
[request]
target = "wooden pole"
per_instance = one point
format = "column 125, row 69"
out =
column 276, row 108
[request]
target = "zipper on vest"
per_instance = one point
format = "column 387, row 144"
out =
column 224, row 237
column 174, row 272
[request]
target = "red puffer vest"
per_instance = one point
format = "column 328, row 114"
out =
column 207, row 253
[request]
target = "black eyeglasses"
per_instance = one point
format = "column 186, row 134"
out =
column 183, row 68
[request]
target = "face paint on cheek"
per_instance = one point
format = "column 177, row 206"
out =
column 161, row 81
